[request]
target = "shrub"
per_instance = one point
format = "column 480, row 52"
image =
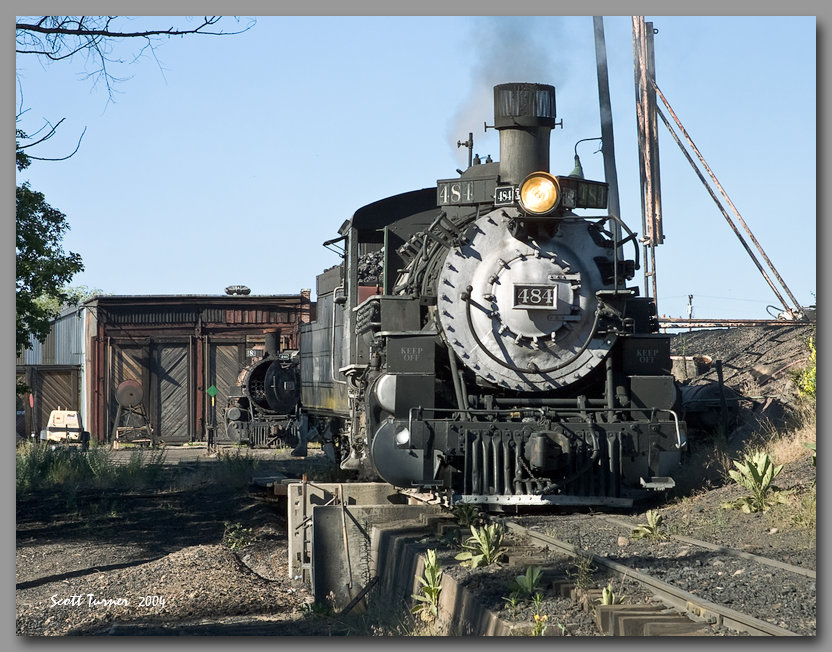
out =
column 806, row 378
column 483, row 547
column 652, row 529
column 237, row 537
column 756, row 474
column 428, row 602
column 527, row 583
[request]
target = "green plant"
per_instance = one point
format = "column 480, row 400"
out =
column 584, row 568
column 428, row 603
column 467, row 514
column 484, row 546
column 64, row 471
column 527, row 583
column 756, row 474
column 608, row 596
column 652, row 529
column 813, row 446
column 512, row 603
column 317, row 609
column 536, row 600
column 539, row 625
column 237, row 537
column 806, row 379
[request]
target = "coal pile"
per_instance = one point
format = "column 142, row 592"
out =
column 370, row 268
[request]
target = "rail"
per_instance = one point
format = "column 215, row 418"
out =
column 689, row 603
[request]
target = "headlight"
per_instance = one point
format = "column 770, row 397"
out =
column 539, row 193
column 403, row 437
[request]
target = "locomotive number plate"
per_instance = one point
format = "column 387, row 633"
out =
column 535, row 296
column 504, row 195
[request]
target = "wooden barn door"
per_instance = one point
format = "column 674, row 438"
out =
column 170, row 392
column 58, row 390
column 128, row 361
column 53, row 389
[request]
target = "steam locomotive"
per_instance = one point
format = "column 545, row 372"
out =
column 262, row 407
column 494, row 354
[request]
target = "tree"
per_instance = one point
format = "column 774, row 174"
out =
column 43, row 268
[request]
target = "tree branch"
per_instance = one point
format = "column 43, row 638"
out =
column 80, row 30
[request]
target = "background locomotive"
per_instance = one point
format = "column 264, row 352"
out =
column 495, row 355
column 262, row 408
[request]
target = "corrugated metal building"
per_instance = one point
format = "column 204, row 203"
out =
column 53, row 370
column 175, row 346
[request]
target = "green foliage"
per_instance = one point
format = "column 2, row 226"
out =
column 527, row 583
column 75, row 295
column 43, row 268
column 237, row 537
column 318, row 610
column 804, row 513
column 468, row 514
column 756, row 474
column 65, row 470
column 230, row 470
column 539, row 625
column 428, row 602
column 806, row 379
column 584, row 568
column 652, row 529
column 813, row 446
column 483, row 547
column 512, row 603
column 608, row 596
column 21, row 158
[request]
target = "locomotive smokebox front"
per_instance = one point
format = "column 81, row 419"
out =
column 524, row 114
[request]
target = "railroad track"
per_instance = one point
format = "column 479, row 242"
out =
column 703, row 582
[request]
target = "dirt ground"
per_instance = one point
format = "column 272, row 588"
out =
column 154, row 563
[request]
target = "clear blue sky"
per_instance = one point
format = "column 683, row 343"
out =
column 229, row 160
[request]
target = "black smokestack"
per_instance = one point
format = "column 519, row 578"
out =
column 524, row 114
column 272, row 343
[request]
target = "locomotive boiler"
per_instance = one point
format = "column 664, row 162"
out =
column 491, row 350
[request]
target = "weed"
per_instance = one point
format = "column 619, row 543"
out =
column 527, row 583
column 539, row 625
column 484, row 546
column 536, row 600
column 804, row 510
column 512, row 604
column 756, row 474
column 237, row 537
column 428, row 602
column 652, row 529
column 468, row 514
column 317, row 610
column 65, row 471
column 806, row 378
column 813, row 446
column 608, row 596
column 321, row 608
column 584, row 568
